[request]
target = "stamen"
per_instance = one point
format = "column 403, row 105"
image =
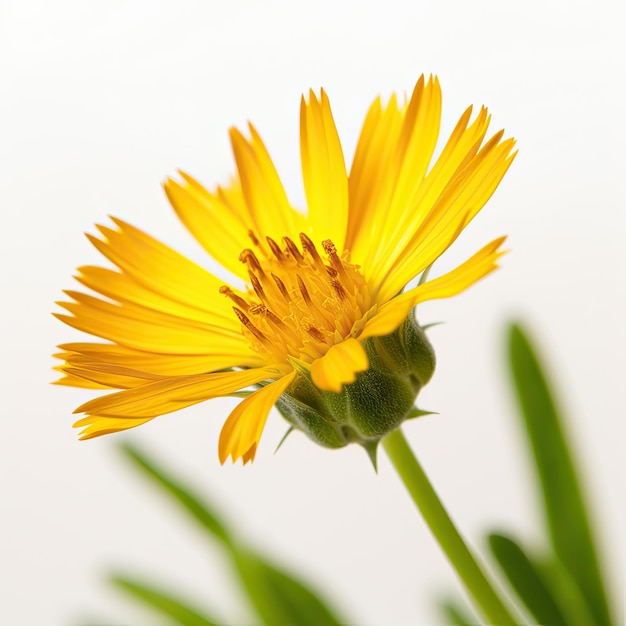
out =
column 313, row 297
column 253, row 237
column 238, row 300
column 285, row 334
column 275, row 319
column 281, row 287
column 329, row 248
column 318, row 311
column 316, row 334
column 303, row 290
column 309, row 246
column 249, row 258
column 335, row 261
column 333, row 277
column 278, row 253
column 256, row 285
column 293, row 249
column 251, row 327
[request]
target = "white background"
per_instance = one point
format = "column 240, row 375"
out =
column 101, row 100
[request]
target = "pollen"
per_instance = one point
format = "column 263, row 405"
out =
column 299, row 302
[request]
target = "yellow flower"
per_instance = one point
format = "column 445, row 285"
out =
column 316, row 285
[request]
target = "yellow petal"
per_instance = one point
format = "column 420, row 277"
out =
column 122, row 288
column 387, row 318
column 86, row 355
column 323, row 171
column 453, row 212
column 464, row 276
column 105, row 376
column 339, row 365
column 438, row 220
column 394, row 312
column 404, row 168
column 95, row 426
column 417, row 142
column 71, row 380
column 372, row 175
column 461, row 147
column 269, row 212
column 171, row 394
column 220, row 231
column 243, row 429
column 143, row 329
column 162, row 270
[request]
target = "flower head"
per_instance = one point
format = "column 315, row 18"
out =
column 316, row 289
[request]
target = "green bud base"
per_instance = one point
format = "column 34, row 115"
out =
column 375, row 404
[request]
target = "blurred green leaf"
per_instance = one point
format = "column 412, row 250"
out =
column 566, row 514
column 567, row 593
column 163, row 602
column 182, row 494
column 526, row 580
column 453, row 613
column 278, row 596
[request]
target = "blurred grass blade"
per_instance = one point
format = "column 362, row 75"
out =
column 453, row 613
column 190, row 502
column 567, row 593
column 163, row 602
column 277, row 596
column 567, row 518
column 526, row 580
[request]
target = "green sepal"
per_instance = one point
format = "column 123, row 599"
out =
column 376, row 403
column 372, row 452
column 415, row 412
column 280, row 443
column 240, row 394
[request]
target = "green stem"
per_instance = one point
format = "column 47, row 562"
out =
column 444, row 530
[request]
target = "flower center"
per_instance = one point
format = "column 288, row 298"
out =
column 299, row 304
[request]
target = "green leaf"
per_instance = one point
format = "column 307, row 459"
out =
column 567, row 593
column 163, row 602
column 454, row 613
column 526, row 580
column 565, row 510
column 278, row 596
column 198, row 510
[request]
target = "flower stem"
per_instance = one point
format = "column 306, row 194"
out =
column 444, row 530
